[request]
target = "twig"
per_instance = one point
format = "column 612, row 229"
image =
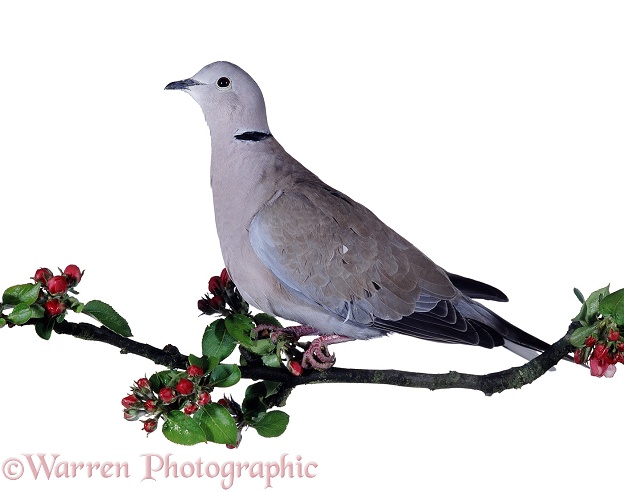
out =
column 515, row 377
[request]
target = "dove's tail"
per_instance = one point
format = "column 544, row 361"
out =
column 514, row 339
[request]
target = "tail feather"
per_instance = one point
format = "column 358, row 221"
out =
column 516, row 340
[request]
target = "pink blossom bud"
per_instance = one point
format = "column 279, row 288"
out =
column 143, row 384
column 217, row 303
column 184, row 387
column 600, row 350
column 214, row 284
column 150, row 425
column 578, row 356
column 190, row 409
column 54, row 307
column 204, row 399
column 57, row 285
column 166, row 395
column 129, row 401
column 296, row 370
column 42, row 275
column 73, row 274
column 195, row 371
column 225, row 277
column 150, row 406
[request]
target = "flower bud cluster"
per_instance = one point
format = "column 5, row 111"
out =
column 54, row 295
column 188, row 392
column 603, row 350
column 222, row 297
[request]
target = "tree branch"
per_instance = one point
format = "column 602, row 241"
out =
column 515, row 377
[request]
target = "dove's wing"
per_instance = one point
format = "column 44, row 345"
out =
column 333, row 252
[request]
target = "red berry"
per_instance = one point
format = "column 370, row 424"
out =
column 195, row 371
column 225, row 277
column 73, row 274
column 231, row 446
column 166, row 394
column 613, row 335
column 129, row 401
column 217, row 303
column 54, row 307
column 590, row 341
column 57, row 285
column 223, row 402
column 620, row 347
column 143, row 383
column 184, row 387
column 43, row 275
column 294, row 367
column 190, row 409
column 150, row 425
column 150, row 405
column 214, row 284
column 204, row 399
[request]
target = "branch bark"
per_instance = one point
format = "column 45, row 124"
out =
column 169, row 356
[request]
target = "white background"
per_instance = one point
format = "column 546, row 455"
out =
column 488, row 133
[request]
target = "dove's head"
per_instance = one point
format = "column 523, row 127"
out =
column 230, row 99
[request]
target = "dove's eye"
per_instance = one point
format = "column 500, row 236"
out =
column 223, row 83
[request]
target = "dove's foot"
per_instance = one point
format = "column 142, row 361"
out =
column 317, row 355
column 313, row 355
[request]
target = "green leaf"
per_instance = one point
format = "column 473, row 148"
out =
column 21, row 294
column 2, row 322
column 75, row 305
column 225, row 375
column 182, row 429
column 593, row 301
column 580, row 334
column 20, row 314
column 579, row 295
column 272, row 424
column 217, row 342
column 240, row 327
column 217, row 424
column 272, row 360
column 253, row 403
column 589, row 309
column 106, row 315
column 44, row 328
column 37, row 311
column 163, row 378
column 264, row 346
column 266, row 319
column 613, row 305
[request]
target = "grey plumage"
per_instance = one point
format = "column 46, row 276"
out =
column 300, row 249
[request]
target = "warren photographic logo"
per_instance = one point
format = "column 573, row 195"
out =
column 151, row 466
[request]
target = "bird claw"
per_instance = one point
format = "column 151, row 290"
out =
column 317, row 356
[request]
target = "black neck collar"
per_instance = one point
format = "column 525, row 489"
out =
column 253, row 136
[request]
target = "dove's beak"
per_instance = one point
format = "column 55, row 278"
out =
column 182, row 84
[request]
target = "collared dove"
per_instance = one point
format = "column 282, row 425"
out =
column 299, row 249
